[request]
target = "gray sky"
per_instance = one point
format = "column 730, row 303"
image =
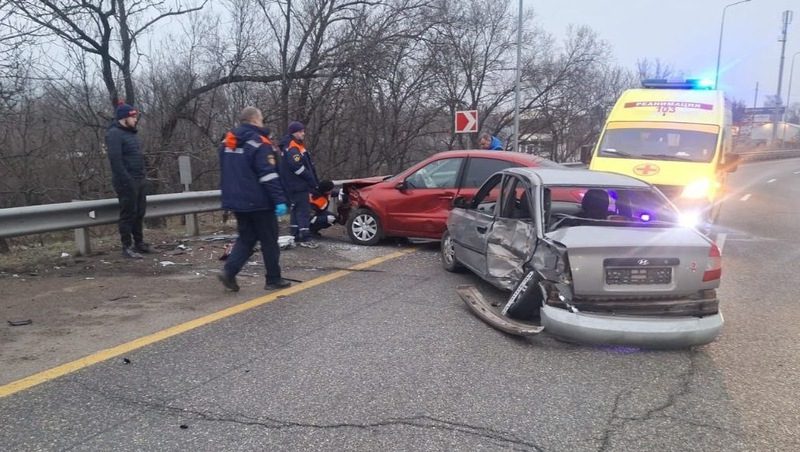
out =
column 685, row 34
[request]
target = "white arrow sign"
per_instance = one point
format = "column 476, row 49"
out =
column 467, row 121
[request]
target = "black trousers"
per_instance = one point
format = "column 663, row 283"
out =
column 259, row 226
column 132, row 207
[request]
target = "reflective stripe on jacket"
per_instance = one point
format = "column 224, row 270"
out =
column 249, row 177
column 297, row 168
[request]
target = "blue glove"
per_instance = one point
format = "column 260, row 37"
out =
column 281, row 209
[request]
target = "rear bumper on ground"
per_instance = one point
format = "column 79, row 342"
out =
column 649, row 332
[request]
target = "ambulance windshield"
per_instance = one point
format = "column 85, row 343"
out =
column 659, row 144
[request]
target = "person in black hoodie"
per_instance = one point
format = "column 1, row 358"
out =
column 128, row 178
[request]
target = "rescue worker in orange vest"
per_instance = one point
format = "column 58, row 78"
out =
column 300, row 180
column 321, row 217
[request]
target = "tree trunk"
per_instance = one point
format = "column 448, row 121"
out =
column 127, row 43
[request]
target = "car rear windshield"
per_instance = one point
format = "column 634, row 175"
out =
column 658, row 144
column 601, row 205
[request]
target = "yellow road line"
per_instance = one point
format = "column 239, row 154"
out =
column 103, row 355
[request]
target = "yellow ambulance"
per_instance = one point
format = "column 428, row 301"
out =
column 676, row 136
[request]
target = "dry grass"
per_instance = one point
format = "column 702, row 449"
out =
column 30, row 253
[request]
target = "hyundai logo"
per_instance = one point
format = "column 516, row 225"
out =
column 643, row 262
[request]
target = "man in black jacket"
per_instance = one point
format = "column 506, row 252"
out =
column 127, row 175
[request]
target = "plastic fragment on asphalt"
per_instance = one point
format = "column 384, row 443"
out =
column 166, row 263
column 126, row 361
column 20, row 322
column 286, row 241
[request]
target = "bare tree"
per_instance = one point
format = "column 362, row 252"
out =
column 655, row 69
column 107, row 29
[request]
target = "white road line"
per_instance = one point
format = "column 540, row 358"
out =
column 746, row 197
column 721, row 240
column 771, row 181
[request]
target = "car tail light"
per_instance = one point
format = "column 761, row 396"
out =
column 714, row 265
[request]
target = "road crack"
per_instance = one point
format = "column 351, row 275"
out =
column 680, row 389
column 422, row 421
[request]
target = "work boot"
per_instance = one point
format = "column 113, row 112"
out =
column 279, row 284
column 130, row 253
column 228, row 281
column 143, row 248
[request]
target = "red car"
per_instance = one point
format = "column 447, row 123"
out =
column 416, row 202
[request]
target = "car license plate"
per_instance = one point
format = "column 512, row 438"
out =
column 636, row 276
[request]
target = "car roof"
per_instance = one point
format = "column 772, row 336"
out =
column 530, row 159
column 578, row 177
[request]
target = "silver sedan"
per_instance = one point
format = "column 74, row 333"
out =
column 588, row 256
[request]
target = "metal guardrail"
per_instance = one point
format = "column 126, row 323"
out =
column 755, row 156
column 18, row 221
column 79, row 215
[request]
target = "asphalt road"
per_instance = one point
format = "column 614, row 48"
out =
column 390, row 359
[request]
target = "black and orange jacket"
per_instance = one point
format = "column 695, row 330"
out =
column 320, row 203
column 249, row 177
column 297, row 167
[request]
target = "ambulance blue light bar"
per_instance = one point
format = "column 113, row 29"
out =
column 689, row 83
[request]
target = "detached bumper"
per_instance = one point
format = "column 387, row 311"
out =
column 649, row 332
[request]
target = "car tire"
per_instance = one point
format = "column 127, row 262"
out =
column 364, row 227
column 449, row 261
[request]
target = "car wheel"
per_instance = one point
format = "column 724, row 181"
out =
column 364, row 227
column 449, row 261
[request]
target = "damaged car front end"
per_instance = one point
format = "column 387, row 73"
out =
column 627, row 274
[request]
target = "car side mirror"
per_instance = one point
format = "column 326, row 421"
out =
column 402, row 186
column 732, row 162
column 461, row 202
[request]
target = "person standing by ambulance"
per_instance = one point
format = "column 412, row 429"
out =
column 251, row 189
column 300, row 180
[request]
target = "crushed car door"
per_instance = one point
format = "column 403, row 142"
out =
column 512, row 237
column 469, row 226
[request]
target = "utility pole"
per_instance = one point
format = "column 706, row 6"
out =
column 755, row 99
column 516, row 85
column 719, row 46
column 787, row 19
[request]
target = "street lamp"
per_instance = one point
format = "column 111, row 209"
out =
column 516, row 84
column 788, row 95
column 719, row 46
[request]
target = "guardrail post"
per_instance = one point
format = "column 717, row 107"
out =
column 192, row 227
column 82, row 242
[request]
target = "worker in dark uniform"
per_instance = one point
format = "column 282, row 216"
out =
column 300, row 180
column 252, row 190
column 127, row 176
column 321, row 217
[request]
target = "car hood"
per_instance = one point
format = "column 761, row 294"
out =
column 363, row 182
column 593, row 250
